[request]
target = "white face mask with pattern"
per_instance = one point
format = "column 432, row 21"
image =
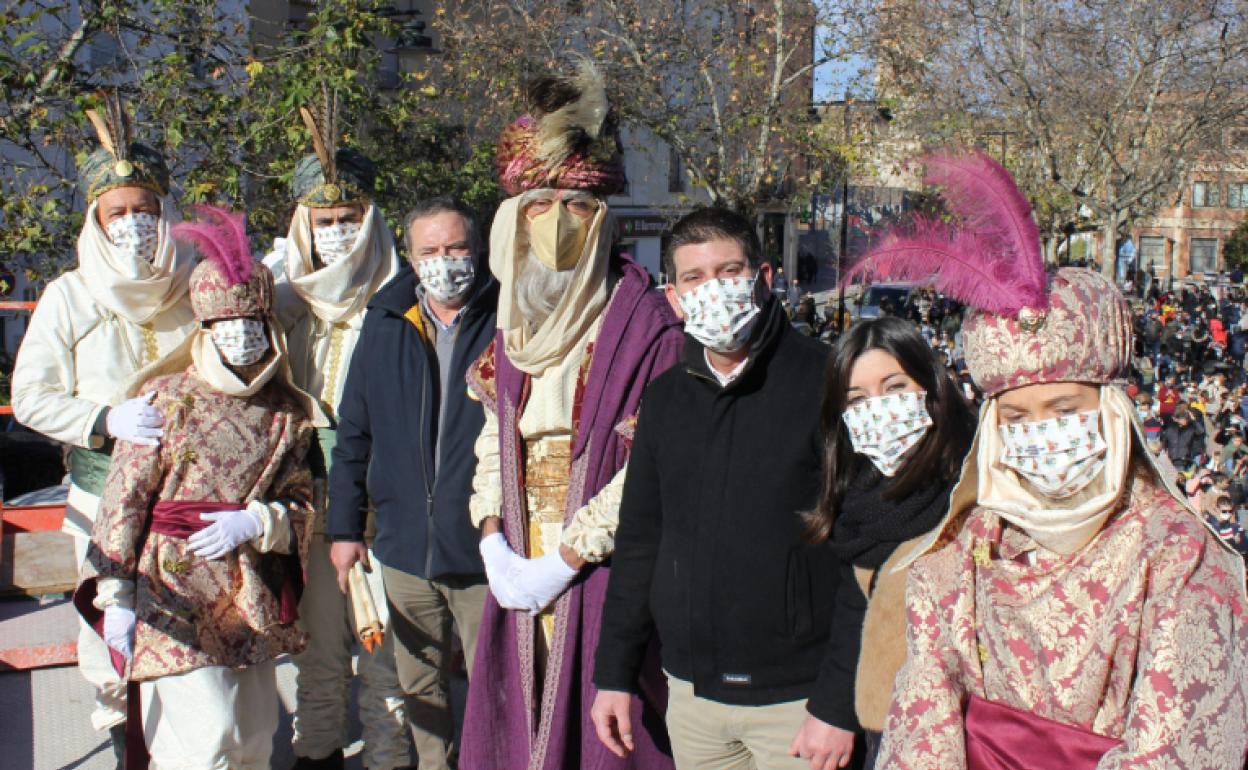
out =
column 720, row 313
column 885, row 428
column 446, row 278
column 1059, row 456
column 333, row 242
column 240, row 341
column 136, row 235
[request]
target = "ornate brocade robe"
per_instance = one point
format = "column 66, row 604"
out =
column 1142, row 636
column 191, row 612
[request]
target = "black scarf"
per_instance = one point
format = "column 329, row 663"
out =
column 869, row 528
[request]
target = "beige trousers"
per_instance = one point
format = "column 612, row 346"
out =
column 421, row 614
column 94, row 661
column 708, row 735
column 323, row 673
column 211, row 718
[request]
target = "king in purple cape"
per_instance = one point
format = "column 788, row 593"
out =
column 581, row 334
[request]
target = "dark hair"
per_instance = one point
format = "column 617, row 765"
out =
column 712, row 224
column 444, row 204
column 938, row 455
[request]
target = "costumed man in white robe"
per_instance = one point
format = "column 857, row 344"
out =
column 121, row 308
column 337, row 254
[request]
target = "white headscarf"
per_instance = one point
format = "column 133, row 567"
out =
column 127, row 284
column 1063, row 530
column 578, row 308
column 340, row 290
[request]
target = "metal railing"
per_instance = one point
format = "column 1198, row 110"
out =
column 13, row 305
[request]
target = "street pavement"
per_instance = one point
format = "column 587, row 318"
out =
column 45, row 721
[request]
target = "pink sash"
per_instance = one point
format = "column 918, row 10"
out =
column 1000, row 737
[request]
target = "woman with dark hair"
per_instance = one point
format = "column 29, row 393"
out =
column 896, row 430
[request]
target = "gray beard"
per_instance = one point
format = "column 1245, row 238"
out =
column 538, row 290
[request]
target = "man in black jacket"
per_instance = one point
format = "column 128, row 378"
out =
column 405, row 441
column 709, row 552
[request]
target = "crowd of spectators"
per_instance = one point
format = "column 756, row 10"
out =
column 1188, row 381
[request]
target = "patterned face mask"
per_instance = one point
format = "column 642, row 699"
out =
column 240, row 341
column 885, row 428
column 720, row 313
column 135, row 234
column 335, row 241
column 1059, row 456
column 445, row 277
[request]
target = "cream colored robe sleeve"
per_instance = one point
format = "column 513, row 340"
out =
column 44, row 380
column 592, row 530
column 487, row 488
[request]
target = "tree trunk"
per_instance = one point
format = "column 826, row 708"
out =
column 1109, row 245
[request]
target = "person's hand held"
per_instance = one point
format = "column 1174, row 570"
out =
column 228, row 530
column 118, row 633
column 136, row 421
column 612, row 722
column 502, row 566
column 544, row 579
column 343, row 555
column 827, row 747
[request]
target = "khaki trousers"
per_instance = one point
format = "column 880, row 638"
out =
column 95, row 663
column 323, row 673
column 708, row 735
column 211, row 718
column 421, row 615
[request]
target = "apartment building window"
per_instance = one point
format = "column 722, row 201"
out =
column 1203, row 255
column 1204, row 194
column 675, row 172
column 1152, row 253
column 1237, row 195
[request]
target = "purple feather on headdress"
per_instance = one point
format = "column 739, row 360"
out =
column 990, row 259
column 221, row 236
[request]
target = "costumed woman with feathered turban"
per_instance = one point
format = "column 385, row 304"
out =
column 196, row 552
column 1071, row 612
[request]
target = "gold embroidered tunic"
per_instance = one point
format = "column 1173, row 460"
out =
column 1141, row 636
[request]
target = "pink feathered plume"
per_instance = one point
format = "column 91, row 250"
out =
column 990, row 259
column 221, row 236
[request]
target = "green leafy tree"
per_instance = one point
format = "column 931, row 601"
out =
column 1235, row 249
column 220, row 96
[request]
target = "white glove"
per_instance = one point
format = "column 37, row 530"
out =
column 543, row 579
column 501, row 567
column 229, row 530
column 136, row 421
column 119, row 629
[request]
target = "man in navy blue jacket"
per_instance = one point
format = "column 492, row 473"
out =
column 405, row 442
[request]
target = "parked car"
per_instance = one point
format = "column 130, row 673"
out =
column 894, row 294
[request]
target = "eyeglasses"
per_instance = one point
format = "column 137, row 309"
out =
column 580, row 204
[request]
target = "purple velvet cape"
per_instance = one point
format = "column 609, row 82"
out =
column 512, row 720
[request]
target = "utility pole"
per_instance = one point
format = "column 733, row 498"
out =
column 840, row 253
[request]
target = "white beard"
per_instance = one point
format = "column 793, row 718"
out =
column 538, row 290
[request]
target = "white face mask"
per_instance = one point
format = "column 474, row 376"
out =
column 885, row 428
column 240, row 341
column 334, row 242
column 446, row 278
column 136, row 235
column 1059, row 456
column 720, row 313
